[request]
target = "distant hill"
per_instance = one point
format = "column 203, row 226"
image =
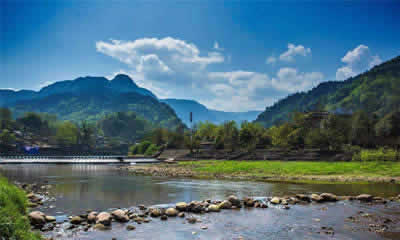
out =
column 375, row 91
column 202, row 113
column 91, row 98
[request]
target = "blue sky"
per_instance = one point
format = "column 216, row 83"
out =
column 228, row 55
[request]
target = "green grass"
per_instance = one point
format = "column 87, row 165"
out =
column 14, row 224
column 380, row 154
column 298, row 168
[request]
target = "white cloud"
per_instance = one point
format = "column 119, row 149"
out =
column 173, row 68
column 217, row 47
column 356, row 61
column 271, row 60
column 290, row 80
column 294, row 51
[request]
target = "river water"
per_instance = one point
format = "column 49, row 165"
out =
column 78, row 188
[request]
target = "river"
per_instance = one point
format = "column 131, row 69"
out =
column 80, row 187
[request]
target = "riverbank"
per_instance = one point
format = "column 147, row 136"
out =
column 13, row 209
column 277, row 171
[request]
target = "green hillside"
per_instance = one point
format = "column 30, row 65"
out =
column 375, row 91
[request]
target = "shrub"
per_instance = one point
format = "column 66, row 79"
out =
column 380, row 154
column 13, row 222
column 151, row 150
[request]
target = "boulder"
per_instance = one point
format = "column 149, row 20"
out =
column 213, row 208
column 364, row 197
column 275, row 200
column 76, row 220
column 181, row 214
column 104, row 218
column 303, row 197
column 316, row 197
column 120, row 215
column 234, row 200
column 248, row 202
column 155, row 212
column 91, row 218
column 37, row 218
column 50, row 219
column 130, row 227
column 329, row 197
column 225, row 205
column 195, row 207
column 101, row 227
column 192, row 220
column 171, row 212
column 181, row 206
column 164, row 217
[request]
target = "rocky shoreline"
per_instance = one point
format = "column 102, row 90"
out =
column 174, row 170
column 134, row 216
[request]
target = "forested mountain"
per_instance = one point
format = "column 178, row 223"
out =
column 375, row 91
column 91, row 98
column 183, row 108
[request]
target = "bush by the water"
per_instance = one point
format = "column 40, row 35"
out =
column 14, row 224
column 381, row 154
column 144, row 148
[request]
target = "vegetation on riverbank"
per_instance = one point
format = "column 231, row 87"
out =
column 298, row 171
column 279, row 168
column 13, row 206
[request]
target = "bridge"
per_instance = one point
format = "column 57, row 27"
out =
column 30, row 159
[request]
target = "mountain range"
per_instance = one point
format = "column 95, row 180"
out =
column 376, row 91
column 90, row 98
column 201, row 113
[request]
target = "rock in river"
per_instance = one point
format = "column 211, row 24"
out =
column 316, row 197
column 248, row 202
column 171, row 212
column 155, row 212
column 76, row 220
column 213, row 208
column 225, row 205
column 234, row 200
column 329, row 197
column 91, row 218
column 37, row 218
column 104, row 218
column 181, row 206
column 365, row 197
column 120, row 215
column 275, row 200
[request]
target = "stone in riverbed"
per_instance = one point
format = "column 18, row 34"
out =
column 192, row 220
column 213, row 208
column 155, row 212
column 164, row 217
column 225, row 205
column 329, row 197
column 120, row 215
column 303, row 197
column 275, row 200
column 248, row 202
column 130, row 227
column 234, row 200
column 91, row 218
column 104, row 218
column 76, row 220
column 37, row 218
column 316, row 197
column 181, row 214
column 171, row 212
column 50, row 219
column 364, row 197
column 181, row 206
column 101, row 227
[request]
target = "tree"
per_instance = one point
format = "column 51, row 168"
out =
column 87, row 135
column 5, row 118
column 7, row 138
column 362, row 131
column 250, row 135
column 67, row 134
column 228, row 134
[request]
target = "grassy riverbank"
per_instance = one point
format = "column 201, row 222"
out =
column 13, row 206
column 280, row 170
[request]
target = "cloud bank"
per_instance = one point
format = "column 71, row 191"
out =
column 174, row 68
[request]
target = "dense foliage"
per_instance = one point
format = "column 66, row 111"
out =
column 376, row 92
column 14, row 224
